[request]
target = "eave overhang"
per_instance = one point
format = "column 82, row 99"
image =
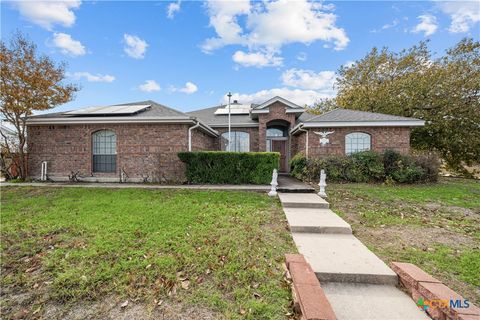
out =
column 339, row 124
column 120, row 120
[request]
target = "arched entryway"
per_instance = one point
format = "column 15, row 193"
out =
column 277, row 140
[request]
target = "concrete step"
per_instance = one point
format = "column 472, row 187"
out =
column 302, row 200
column 342, row 258
column 290, row 189
column 316, row 221
column 357, row 301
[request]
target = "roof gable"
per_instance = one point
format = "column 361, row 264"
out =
column 277, row 99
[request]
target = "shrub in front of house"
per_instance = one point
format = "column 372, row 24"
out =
column 218, row 167
column 368, row 166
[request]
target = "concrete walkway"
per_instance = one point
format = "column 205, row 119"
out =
column 287, row 183
column 229, row 187
column 356, row 282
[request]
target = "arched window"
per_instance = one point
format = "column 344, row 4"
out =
column 240, row 141
column 104, row 143
column 356, row 142
column 276, row 131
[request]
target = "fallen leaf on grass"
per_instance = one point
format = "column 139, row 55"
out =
column 173, row 291
column 181, row 276
column 20, row 314
column 185, row 284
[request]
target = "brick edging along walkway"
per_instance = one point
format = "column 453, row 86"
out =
column 436, row 296
column 309, row 298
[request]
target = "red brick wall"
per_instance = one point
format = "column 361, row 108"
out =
column 253, row 137
column 298, row 143
column 142, row 149
column 276, row 112
column 382, row 138
column 203, row 141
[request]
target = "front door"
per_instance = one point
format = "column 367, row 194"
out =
column 281, row 147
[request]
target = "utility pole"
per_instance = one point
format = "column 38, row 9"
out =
column 229, row 95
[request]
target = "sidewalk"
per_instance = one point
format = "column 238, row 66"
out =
column 356, row 282
column 226, row 187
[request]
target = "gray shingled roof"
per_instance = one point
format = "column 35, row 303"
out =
column 345, row 115
column 209, row 117
column 155, row 111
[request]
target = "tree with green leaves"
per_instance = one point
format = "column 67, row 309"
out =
column 443, row 91
column 28, row 83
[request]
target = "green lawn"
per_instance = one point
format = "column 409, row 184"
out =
column 435, row 226
column 220, row 251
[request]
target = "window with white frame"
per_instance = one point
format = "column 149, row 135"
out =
column 240, row 141
column 104, row 150
column 356, row 142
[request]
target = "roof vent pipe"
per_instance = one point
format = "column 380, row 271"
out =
column 190, row 135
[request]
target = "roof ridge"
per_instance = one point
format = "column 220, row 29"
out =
column 167, row 107
column 321, row 115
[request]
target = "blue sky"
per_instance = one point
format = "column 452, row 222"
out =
column 189, row 54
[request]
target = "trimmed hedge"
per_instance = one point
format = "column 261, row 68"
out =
column 218, row 167
column 368, row 166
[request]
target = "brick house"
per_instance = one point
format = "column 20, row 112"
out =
column 140, row 141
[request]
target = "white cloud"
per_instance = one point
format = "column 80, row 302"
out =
column 464, row 14
column 48, row 13
column 394, row 23
column 322, row 82
column 298, row 96
column 349, row 63
column 223, row 18
column 68, row 45
column 134, row 46
column 149, row 86
column 302, row 56
column 93, row 77
column 257, row 59
column 428, row 25
column 328, row 7
column 189, row 88
column 172, row 8
column 270, row 25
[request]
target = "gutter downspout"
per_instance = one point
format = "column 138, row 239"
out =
column 306, row 139
column 190, row 134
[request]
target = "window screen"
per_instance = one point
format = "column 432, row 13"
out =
column 356, row 142
column 104, row 151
